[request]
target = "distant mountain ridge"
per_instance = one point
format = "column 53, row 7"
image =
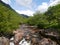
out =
column 24, row 15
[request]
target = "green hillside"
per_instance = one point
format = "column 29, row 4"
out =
column 9, row 19
column 49, row 19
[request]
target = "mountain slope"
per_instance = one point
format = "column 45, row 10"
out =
column 24, row 15
column 9, row 20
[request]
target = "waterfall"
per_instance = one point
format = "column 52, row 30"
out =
column 11, row 43
column 22, row 42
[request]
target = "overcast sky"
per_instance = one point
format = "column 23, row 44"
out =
column 29, row 7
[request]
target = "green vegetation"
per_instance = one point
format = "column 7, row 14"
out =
column 38, row 20
column 53, row 16
column 49, row 19
column 9, row 20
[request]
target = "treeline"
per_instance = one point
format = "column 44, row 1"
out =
column 9, row 20
column 49, row 19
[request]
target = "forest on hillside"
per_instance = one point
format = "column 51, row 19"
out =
column 49, row 19
column 9, row 20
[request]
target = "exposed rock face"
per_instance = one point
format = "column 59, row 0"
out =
column 4, row 41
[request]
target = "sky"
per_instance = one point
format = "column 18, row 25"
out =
column 29, row 7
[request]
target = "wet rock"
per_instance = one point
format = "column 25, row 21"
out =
column 18, row 36
column 4, row 41
column 35, row 41
column 36, row 36
column 46, row 41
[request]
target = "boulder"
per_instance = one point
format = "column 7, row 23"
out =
column 4, row 41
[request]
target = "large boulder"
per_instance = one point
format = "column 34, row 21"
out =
column 4, row 41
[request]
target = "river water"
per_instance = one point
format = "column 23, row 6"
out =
column 43, row 41
column 22, row 42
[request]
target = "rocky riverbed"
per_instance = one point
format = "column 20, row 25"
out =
column 37, row 36
column 30, row 35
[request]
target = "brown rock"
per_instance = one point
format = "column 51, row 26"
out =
column 4, row 41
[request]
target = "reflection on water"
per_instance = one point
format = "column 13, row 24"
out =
column 22, row 42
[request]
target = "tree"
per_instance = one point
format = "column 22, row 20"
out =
column 53, row 16
column 49, row 19
column 9, row 20
column 38, row 20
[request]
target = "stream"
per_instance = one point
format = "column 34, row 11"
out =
column 22, row 42
column 35, row 37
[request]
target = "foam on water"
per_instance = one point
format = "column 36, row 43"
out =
column 22, row 42
column 11, row 43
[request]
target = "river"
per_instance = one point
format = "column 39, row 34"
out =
column 36, row 37
column 22, row 42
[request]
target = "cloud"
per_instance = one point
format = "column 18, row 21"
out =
column 45, row 5
column 6, row 1
column 25, row 3
column 54, row 2
column 27, row 12
column 30, row 4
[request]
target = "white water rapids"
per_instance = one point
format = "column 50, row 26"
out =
column 22, row 42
